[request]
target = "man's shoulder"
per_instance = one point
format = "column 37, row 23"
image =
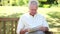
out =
column 40, row 15
column 24, row 15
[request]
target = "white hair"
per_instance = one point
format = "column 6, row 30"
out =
column 33, row 1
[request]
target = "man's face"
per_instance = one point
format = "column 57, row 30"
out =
column 33, row 9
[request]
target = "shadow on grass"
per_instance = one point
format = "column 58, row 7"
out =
column 54, row 19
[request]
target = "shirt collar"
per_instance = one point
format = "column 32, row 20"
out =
column 32, row 16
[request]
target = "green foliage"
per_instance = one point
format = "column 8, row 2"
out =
column 42, row 0
column 23, row 2
column 46, row 5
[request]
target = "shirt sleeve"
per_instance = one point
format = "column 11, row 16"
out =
column 45, row 23
column 20, row 25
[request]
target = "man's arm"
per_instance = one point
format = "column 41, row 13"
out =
column 45, row 26
column 42, row 28
column 23, row 31
column 20, row 26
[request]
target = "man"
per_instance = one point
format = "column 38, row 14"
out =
column 32, row 22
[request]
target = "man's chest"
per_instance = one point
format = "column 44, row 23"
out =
column 33, row 22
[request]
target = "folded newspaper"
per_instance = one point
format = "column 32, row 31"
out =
column 34, row 29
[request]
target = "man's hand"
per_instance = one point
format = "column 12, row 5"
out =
column 43, row 28
column 23, row 31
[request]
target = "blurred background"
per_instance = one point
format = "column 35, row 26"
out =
column 11, row 10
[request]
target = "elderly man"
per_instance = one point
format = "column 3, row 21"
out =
column 32, row 22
